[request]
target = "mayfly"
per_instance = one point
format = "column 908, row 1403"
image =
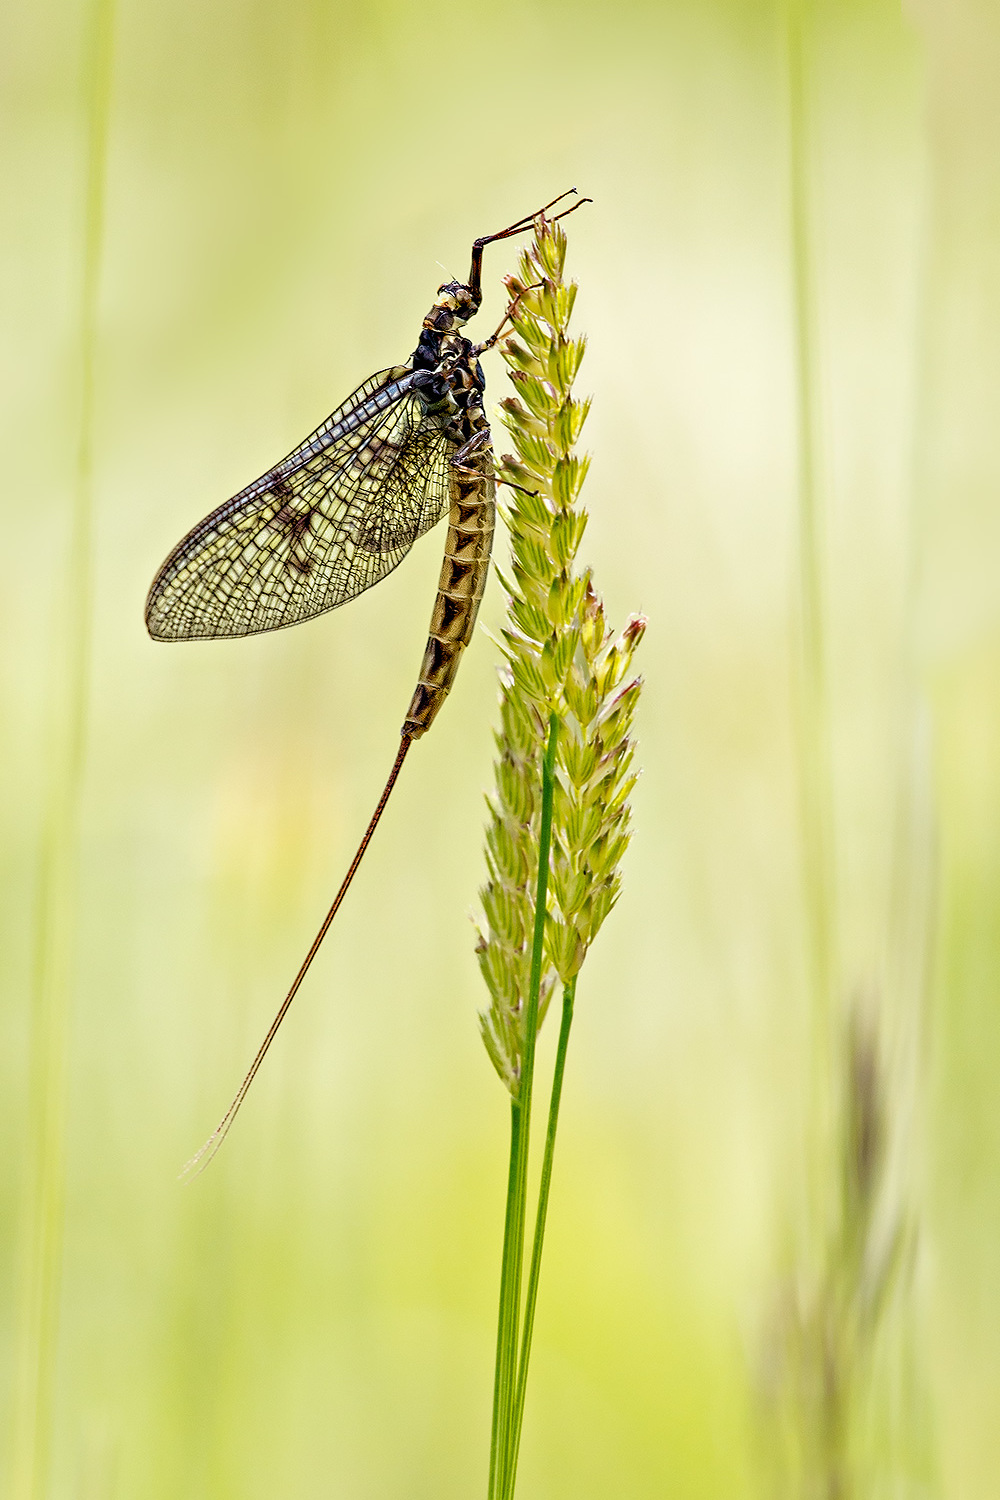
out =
column 411, row 445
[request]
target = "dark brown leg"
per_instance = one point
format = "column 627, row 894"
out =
column 478, row 246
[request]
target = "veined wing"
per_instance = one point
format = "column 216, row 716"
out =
column 328, row 522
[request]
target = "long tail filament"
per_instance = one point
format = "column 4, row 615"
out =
column 201, row 1158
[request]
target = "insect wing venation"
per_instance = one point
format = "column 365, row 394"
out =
column 328, row 522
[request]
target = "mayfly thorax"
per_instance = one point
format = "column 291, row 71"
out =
column 411, row 445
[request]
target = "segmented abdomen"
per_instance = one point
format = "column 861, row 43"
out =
column 460, row 587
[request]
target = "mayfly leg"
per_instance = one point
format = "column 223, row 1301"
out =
column 508, row 316
column 476, row 444
column 478, row 246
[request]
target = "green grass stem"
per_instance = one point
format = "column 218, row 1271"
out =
column 566, row 700
column 52, row 972
column 502, row 1376
column 502, row 1446
column 531, row 1297
column 815, row 775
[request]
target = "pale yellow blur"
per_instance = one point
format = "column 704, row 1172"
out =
column 286, row 187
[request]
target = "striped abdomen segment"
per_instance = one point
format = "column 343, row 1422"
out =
column 460, row 588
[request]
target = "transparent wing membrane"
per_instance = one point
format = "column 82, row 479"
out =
column 332, row 519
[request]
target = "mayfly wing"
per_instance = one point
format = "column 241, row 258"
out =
column 329, row 521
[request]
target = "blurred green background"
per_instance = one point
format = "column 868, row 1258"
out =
column 314, row 1316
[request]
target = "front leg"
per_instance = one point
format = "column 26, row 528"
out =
column 475, row 446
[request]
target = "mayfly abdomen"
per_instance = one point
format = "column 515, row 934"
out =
column 460, row 587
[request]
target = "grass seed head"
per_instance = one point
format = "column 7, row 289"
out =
column 561, row 658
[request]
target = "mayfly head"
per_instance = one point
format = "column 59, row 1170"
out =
column 456, row 304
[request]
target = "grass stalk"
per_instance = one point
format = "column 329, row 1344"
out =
column 538, row 1240
column 43, row 1205
column 503, row 1444
column 559, row 818
column 507, row 1310
column 815, row 776
column 858, row 1239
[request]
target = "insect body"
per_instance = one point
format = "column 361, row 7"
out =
column 344, row 508
column 411, row 445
